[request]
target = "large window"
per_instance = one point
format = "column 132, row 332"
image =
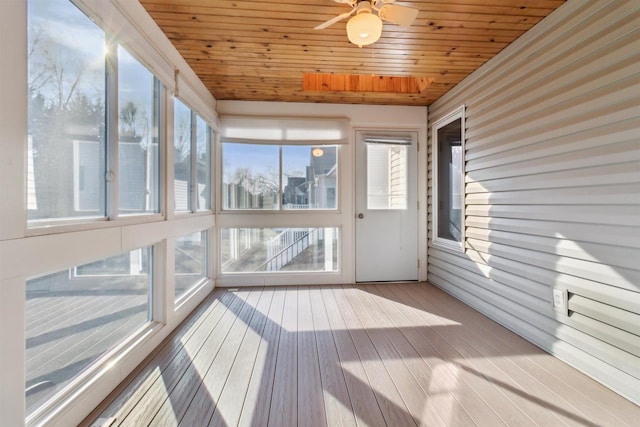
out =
column 448, row 200
column 67, row 146
column 75, row 316
column 273, row 177
column 192, row 160
column 82, row 112
column 246, row 250
column 138, row 145
column 191, row 262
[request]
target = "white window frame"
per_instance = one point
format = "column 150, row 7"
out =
column 280, row 209
column 458, row 113
column 193, row 159
column 112, row 214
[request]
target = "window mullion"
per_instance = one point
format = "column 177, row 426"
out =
column 111, row 131
column 160, row 117
column 193, row 184
column 280, row 198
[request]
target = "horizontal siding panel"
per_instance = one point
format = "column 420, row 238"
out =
column 617, row 337
column 602, row 194
column 542, row 292
column 619, row 152
column 603, row 234
column 613, row 276
column 596, row 105
column 563, row 35
column 612, row 133
column 614, row 316
column 594, row 214
column 620, row 173
column 623, row 298
column 576, row 79
column 616, row 62
column 598, row 348
column 552, row 189
column 512, row 295
column 611, row 255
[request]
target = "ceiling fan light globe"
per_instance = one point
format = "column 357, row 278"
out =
column 364, row 29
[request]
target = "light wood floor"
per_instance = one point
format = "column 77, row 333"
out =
column 394, row 354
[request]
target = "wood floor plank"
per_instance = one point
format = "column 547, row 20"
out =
column 440, row 401
column 337, row 403
column 192, row 389
column 393, row 407
column 255, row 409
column 516, row 372
column 508, row 410
column 366, row 355
column 486, row 365
column 284, row 400
column 414, row 396
column 310, row 396
column 126, row 396
column 157, row 387
column 361, row 394
column 148, row 406
column 235, row 358
column 558, row 395
column 548, row 369
column 229, row 405
column 445, row 375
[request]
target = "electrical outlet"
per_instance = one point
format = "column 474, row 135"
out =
column 560, row 301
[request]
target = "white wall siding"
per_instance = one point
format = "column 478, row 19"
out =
column 553, row 189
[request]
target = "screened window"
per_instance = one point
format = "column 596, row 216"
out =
column 203, row 164
column 192, row 160
column 449, row 183
column 182, row 129
column 191, row 262
column 247, row 250
column 274, row 177
column 66, row 84
column 251, row 176
column 75, row 316
column 138, row 144
column 71, row 156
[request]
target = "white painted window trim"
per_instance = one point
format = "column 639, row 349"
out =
column 193, row 160
column 31, row 252
column 458, row 113
column 255, row 218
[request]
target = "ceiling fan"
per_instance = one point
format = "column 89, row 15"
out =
column 365, row 27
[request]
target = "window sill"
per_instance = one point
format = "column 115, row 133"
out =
column 66, row 226
column 447, row 244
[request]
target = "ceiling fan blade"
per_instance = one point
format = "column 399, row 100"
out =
column 397, row 14
column 380, row 3
column 332, row 21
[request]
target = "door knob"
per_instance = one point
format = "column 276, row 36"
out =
column 360, row 215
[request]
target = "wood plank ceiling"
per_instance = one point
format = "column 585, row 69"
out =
column 260, row 50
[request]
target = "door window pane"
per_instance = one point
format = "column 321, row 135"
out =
column 66, row 83
column 191, row 262
column 309, row 177
column 251, row 176
column 138, row 147
column 386, row 176
column 182, row 156
column 75, row 316
column 203, row 144
column 246, row 250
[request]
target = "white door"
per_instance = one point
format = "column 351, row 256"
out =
column 386, row 206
